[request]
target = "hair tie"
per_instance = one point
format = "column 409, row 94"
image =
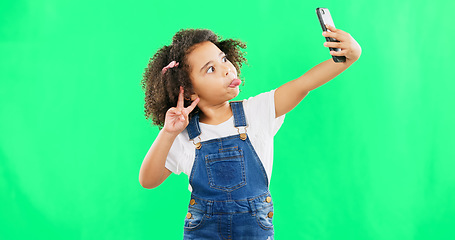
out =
column 170, row 65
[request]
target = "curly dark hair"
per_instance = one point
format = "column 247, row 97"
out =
column 162, row 90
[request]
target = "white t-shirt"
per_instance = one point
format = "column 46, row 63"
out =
column 262, row 127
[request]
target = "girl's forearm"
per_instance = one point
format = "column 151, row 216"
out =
column 322, row 73
column 153, row 167
column 291, row 93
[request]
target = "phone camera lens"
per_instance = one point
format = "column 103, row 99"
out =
column 322, row 10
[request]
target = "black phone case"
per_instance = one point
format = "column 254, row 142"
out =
column 329, row 39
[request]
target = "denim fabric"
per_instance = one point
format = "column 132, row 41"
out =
column 230, row 197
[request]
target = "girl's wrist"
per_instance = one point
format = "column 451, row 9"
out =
column 168, row 134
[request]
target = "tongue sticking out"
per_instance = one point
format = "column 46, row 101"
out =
column 235, row 83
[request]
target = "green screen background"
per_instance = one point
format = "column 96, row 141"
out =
column 369, row 155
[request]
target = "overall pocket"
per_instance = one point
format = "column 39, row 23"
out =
column 264, row 217
column 226, row 170
column 194, row 220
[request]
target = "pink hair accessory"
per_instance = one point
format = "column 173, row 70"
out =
column 170, row 65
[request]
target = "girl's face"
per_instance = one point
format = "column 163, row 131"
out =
column 211, row 74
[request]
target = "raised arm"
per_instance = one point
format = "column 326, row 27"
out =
column 153, row 171
column 290, row 94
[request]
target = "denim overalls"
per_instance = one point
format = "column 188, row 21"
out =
column 230, row 197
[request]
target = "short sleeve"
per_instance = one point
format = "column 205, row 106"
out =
column 261, row 110
column 176, row 157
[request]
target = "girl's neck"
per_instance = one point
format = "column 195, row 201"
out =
column 215, row 115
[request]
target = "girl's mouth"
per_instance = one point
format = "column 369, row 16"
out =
column 236, row 82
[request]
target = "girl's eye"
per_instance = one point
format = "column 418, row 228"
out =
column 224, row 59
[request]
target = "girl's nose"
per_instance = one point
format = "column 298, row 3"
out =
column 226, row 71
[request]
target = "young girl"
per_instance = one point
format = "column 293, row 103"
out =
column 225, row 148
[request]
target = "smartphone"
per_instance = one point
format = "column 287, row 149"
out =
column 325, row 18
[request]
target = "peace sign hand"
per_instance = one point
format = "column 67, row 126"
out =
column 176, row 118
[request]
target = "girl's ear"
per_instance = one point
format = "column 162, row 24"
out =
column 193, row 97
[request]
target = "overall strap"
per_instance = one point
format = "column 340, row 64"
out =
column 239, row 114
column 239, row 118
column 193, row 127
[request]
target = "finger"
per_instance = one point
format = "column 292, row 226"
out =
column 330, row 27
column 192, row 106
column 171, row 110
column 178, row 115
column 174, row 112
column 340, row 53
column 330, row 34
column 333, row 44
column 337, row 35
column 336, row 30
column 180, row 101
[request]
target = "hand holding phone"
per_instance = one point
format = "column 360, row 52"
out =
column 325, row 18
